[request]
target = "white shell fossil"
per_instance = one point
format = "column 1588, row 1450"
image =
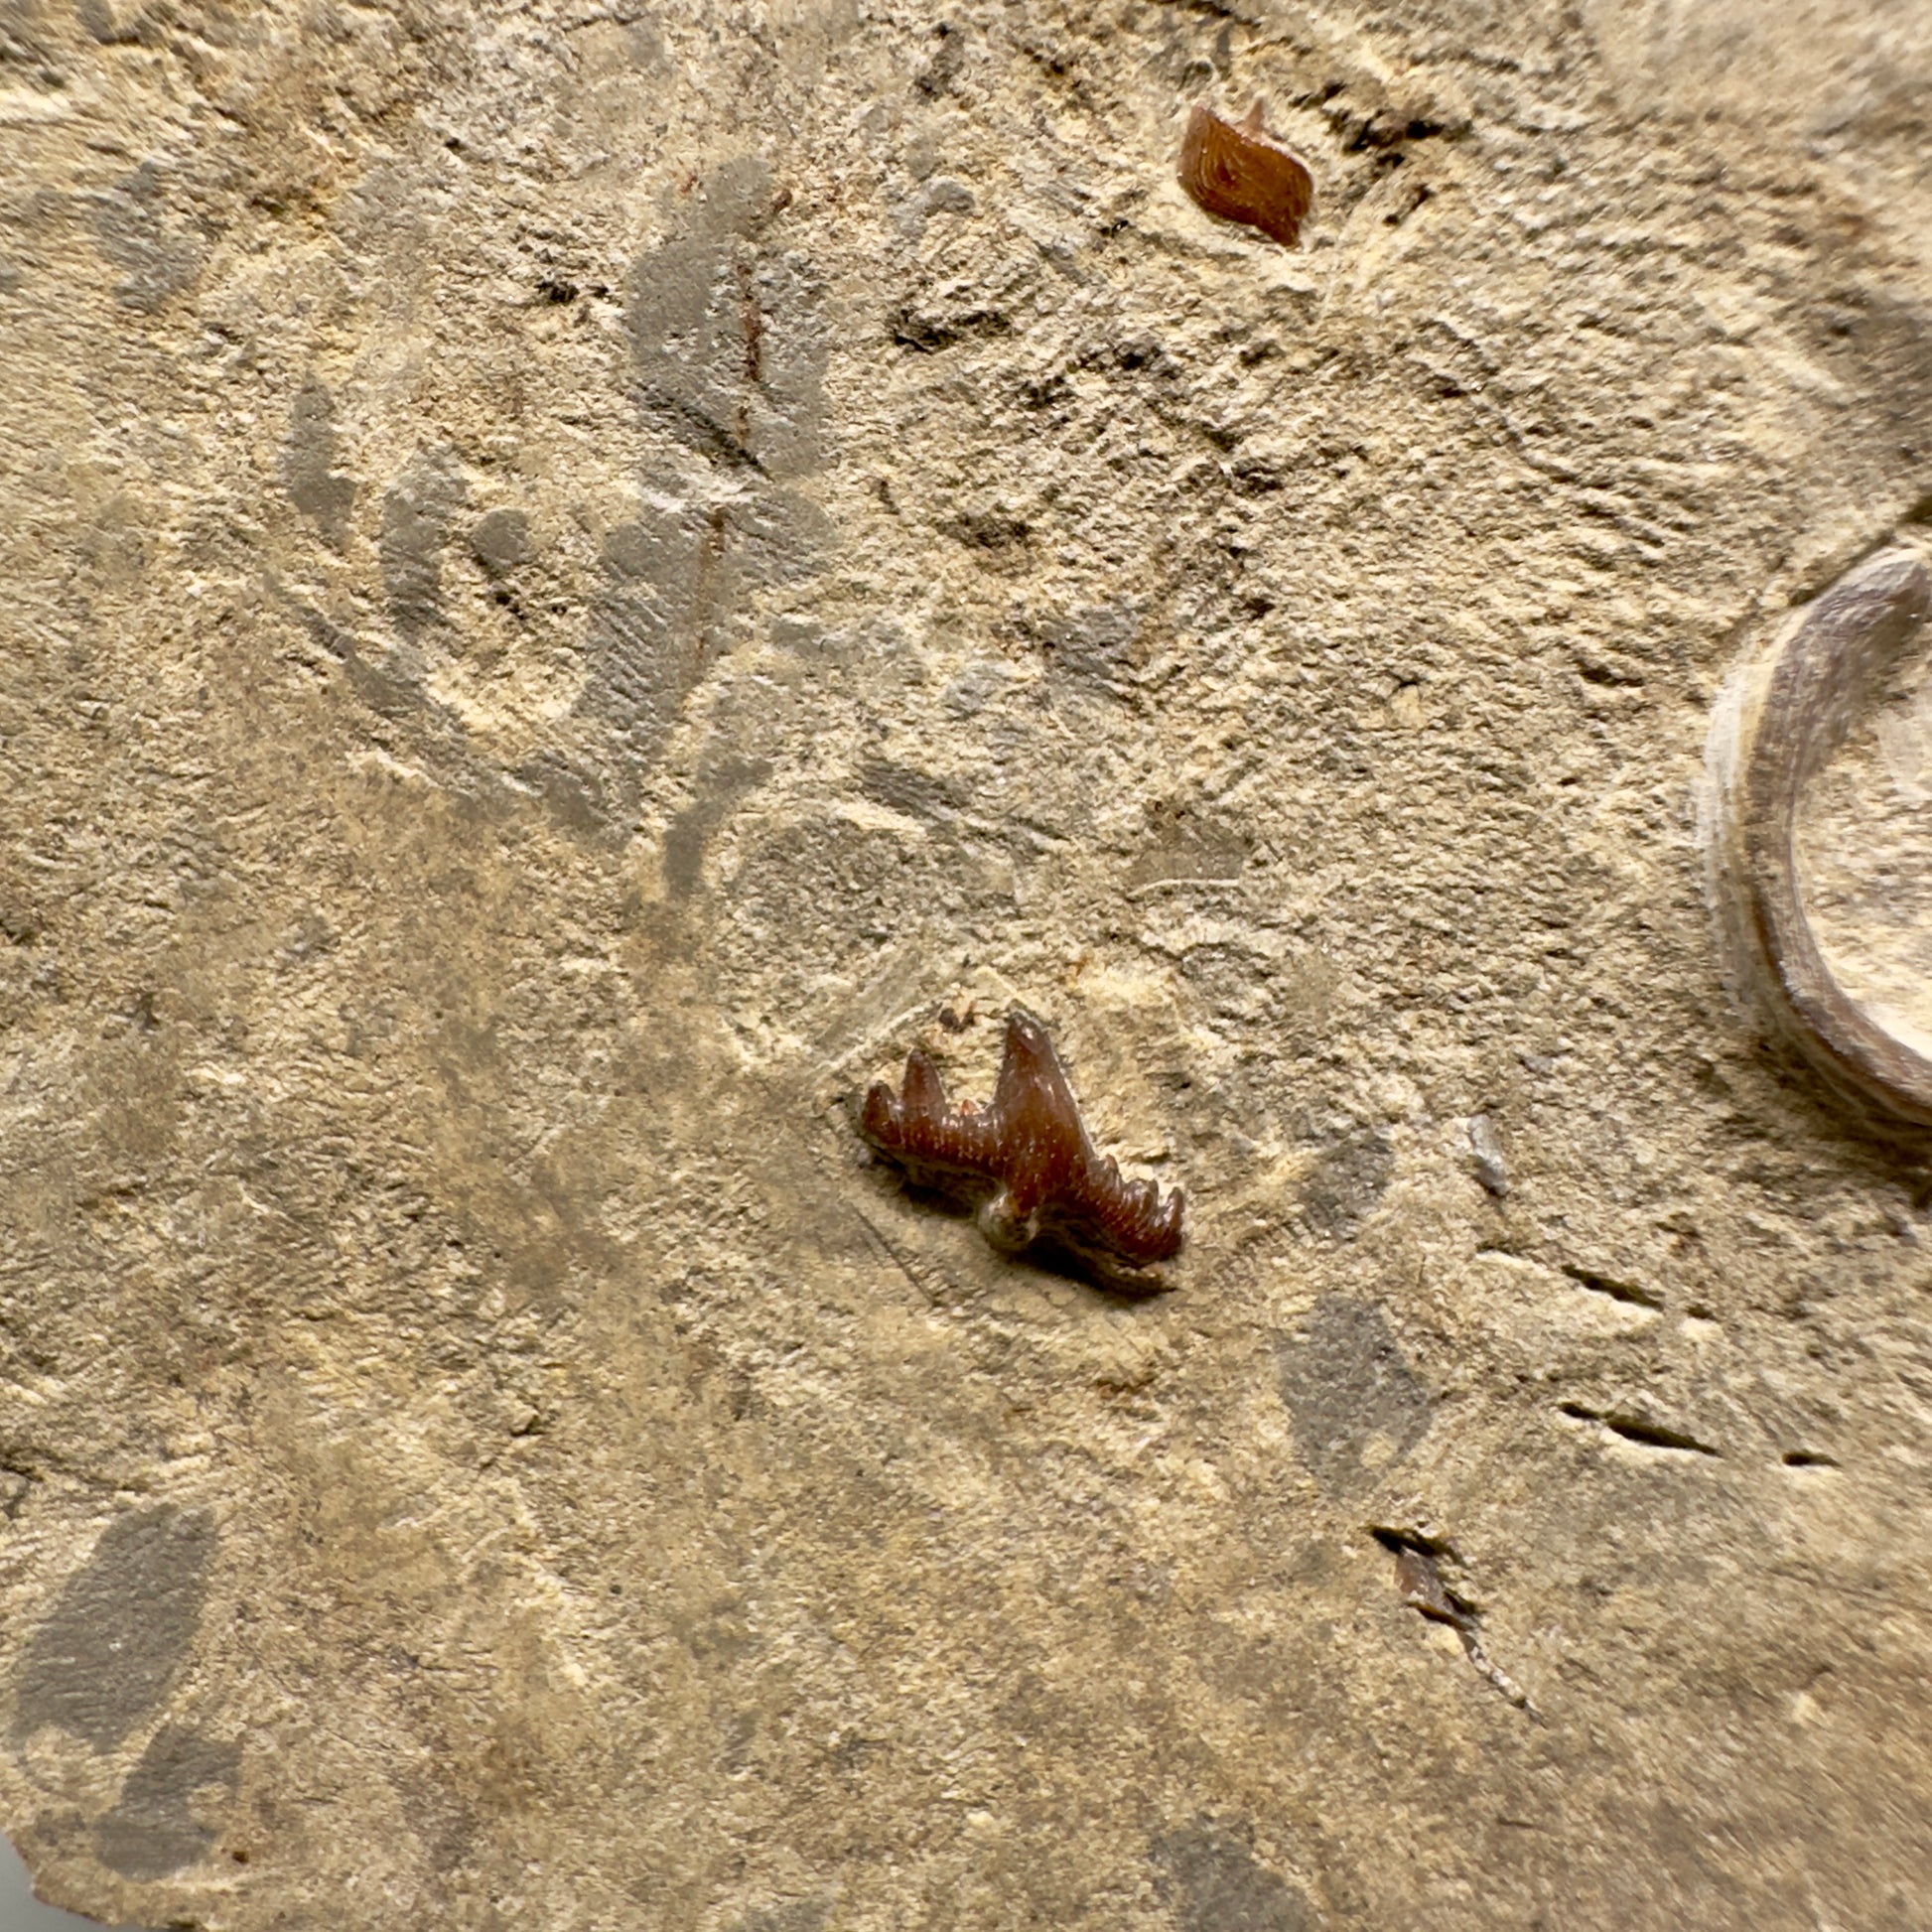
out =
column 1775, row 727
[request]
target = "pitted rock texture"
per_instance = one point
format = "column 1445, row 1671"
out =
column 579, row 579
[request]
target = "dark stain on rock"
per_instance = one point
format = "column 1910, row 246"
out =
column 153, row 1830
column 1098, row 647
column 1347, row 1180
column 132, row 233
column 104, row 1659
column 115, row 23
column 501, row 540
column 416, row 514
column 672, row 580
column 1210, row 1878
column 382, row 692
column 309, row 474
column 857, row 885
column 1184, row 844
column 794, row 1915
column 988, row 529
column 729, row 344
column 576, row 799
column 720, row 787
column 929, row 327
column 1878, row 343
column 1357, row 1407
column 112, row 541
column 918, row 794
column 728, row 333
column 937, row 78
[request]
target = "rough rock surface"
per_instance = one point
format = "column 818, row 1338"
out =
column 576, row 572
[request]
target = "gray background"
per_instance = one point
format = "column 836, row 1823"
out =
column 20, row 1910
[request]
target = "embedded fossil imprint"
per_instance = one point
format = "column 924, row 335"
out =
column 1025, row 1164
column 1774, row 729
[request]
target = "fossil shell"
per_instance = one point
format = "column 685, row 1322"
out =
column 1774, row 731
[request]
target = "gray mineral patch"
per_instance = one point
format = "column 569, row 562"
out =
column 102, row 1659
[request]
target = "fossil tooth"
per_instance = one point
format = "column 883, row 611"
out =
column 1236, row 170
column 1025, row 1162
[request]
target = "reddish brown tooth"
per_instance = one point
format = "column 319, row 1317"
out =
column 1237, row 173
column 925, row 1092
column 880, row 1120
column 1030, row 1144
